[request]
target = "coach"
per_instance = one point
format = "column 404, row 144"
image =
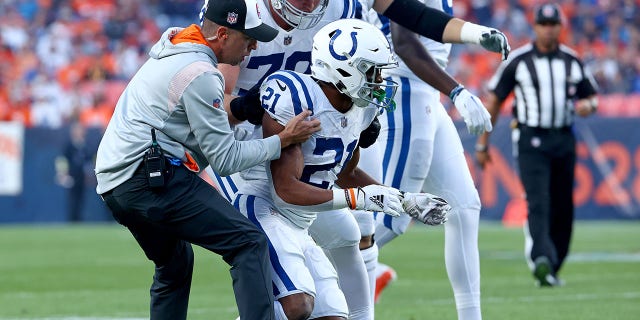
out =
column 551, row 85
column 152, row 186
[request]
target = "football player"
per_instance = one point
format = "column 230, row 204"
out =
column 420, row 150
column 297, row 22
column 284, row 197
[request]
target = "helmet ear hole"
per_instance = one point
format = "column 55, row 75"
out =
column 343, row 73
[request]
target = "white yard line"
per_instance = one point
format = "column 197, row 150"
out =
column 570, row 297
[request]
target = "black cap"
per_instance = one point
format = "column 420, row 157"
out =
column 548, row 13
column 241, row 15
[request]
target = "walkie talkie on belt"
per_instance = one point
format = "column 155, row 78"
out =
column 154, row 163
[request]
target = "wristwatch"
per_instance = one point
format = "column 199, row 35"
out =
column 482, row 148
column 593, row 102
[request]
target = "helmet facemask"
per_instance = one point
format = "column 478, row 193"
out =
column 379, row 94
column 297, row 18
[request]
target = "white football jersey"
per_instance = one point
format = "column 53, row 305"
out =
column 286, row 94
column 290, row 50
column 439, row 51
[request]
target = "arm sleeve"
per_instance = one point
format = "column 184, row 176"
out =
column 203, row 101
column 587, row 86
column 504, row 80
column 419, row 18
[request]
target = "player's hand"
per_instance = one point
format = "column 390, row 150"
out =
column 248, row 107
column 474, row 114
column 298, row 129
column 378, row 198
column 426, row 208
column 496, row 41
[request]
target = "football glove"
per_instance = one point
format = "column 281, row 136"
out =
column 375, row 198
column 426, row 208
column 489, row 38
column 496, row 41
column 248, row 107
column 474, row 114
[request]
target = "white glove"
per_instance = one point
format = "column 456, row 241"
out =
column 489, row 38
column 475, row 115
column 425, row 207
column 375, row 198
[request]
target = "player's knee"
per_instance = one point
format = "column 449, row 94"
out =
column 297, row 306
column 418, row 163
column 469, row 199
column 366, row 223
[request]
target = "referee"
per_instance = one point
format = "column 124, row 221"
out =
column 551, row 85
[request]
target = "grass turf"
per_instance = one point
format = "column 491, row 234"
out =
column 99, row 272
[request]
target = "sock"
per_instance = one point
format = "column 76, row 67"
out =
column 462, row 261
column 370, row 256
column 353, row 280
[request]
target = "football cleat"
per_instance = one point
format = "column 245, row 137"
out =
column 385, row 276
column 543, row 273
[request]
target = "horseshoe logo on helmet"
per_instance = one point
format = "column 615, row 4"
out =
column 351, row 52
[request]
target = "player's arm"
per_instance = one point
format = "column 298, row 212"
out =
column 425, row 207
column 408, row 47
column 352, row 176
column 492, row 103
column 440, row 26
column 287, row 170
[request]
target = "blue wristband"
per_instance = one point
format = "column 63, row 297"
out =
column 455, row 92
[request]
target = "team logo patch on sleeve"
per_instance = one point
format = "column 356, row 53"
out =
column 216, row 103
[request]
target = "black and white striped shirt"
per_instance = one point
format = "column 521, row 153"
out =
column 545, row 85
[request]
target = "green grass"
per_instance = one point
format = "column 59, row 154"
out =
column 98, row 271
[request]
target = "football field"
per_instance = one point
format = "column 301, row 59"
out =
column 98, row 272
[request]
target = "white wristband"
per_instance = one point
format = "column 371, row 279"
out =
column 344, row 198
column 471, row 32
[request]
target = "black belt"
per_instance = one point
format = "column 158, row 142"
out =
column 540, row 129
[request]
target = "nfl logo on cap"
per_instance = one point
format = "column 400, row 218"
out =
column 548, row 11
column 232, row 18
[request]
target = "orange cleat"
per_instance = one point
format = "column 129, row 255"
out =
column 386, row 275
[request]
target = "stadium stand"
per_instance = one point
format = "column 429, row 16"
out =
column 66, row 60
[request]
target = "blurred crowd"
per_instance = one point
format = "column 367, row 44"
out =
column 65, row 61
column 604, row 33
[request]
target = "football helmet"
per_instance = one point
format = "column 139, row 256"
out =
column 350, row 54
column 298, row 18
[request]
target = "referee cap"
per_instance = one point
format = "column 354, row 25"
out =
column 241, row 15
column 548, row 13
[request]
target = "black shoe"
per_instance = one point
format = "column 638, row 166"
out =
column 542, row 272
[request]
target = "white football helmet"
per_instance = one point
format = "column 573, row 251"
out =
column 298, row 18
column 351, row 54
